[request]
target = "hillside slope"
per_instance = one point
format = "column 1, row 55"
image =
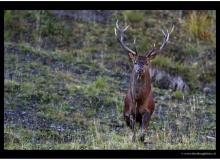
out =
column 65, row 78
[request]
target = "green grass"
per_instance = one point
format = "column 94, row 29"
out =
column 99, row 134
column 190, row 50
column 170, row 133
column 133, row 16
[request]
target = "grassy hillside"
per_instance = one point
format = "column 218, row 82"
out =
column 65, row 78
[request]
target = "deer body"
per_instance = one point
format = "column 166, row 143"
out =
column 139, row 103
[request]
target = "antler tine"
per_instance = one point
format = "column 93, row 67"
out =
column 166, row 35
column 172, row 29
column 166, row 38
column 135, row 45
column 120, row 36
column 117, row 24
column 125, row 28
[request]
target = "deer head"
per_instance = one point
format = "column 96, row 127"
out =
column 140, row 63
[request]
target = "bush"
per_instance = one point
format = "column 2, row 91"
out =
column 198, row 26
column 178, row 95
column 134, row 16
column 8, row 17
column 163, row 62
column 11, row 86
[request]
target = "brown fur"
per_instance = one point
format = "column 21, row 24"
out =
column 139, row 104
column 139, row 93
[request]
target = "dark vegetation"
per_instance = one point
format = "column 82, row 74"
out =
column 65, row 78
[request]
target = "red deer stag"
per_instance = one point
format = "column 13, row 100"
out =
column 139, row 103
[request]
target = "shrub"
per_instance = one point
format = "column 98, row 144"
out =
column 8, row 17
column 163, row 62
column 190, row 50
column 178, row 95
column 198, row 26
column 11, row 86
column 134, row 16
column 144, row 44
column 207, row 76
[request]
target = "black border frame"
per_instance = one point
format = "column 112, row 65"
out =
column 108, row 5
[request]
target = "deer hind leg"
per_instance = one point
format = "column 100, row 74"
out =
column 144, row 124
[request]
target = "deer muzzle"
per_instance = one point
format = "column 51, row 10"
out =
column 139, row 74
column 139, row 71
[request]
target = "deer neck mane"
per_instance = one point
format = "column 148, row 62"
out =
column 140, row 88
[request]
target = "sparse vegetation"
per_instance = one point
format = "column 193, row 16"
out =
column 178, row 95
column 133, row 16
column 65, row 81
column 177, row 68
column 198, row 25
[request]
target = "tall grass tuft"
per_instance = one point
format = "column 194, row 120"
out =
column 198, row 26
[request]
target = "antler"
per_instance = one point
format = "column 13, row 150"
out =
column 155, row 51
column 120, row 37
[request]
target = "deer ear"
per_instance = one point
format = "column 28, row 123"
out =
column 131, row 56
column 150, row 57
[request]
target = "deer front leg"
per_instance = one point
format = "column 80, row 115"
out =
column 132, row 122
column 144, row 124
